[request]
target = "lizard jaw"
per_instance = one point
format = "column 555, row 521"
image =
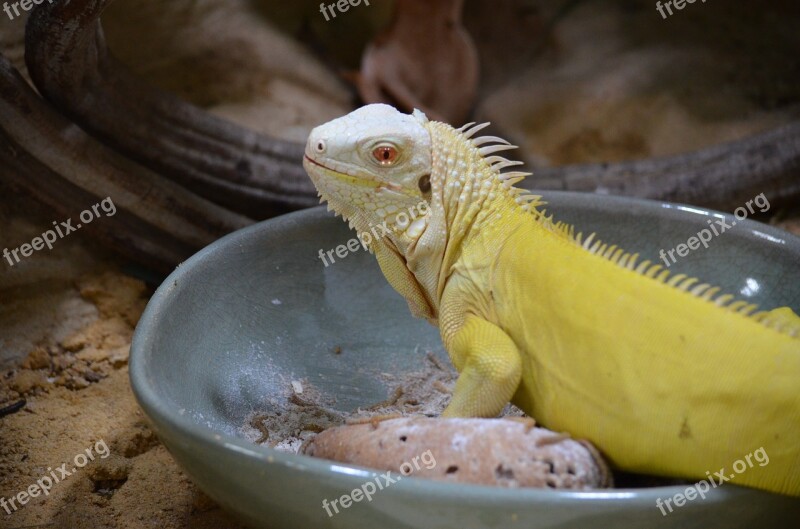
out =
column 378, row 185
column 354, row 180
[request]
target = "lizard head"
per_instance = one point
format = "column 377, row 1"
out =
column 373, row 167
column 425, row 185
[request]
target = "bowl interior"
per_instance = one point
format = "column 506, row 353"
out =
column 230, row 328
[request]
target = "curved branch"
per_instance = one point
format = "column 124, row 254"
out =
column 157, row 222
column 722, row 177
column 69, row 63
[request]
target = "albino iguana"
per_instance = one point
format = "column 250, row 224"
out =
column 664, row 374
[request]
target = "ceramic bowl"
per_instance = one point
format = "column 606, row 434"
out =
column 226, row 330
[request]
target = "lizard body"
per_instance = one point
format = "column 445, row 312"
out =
column 664, row 374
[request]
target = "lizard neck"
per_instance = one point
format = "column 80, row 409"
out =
column 470, row 203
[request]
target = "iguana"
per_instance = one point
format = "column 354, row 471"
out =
column 662, row 372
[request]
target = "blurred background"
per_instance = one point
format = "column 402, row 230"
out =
column 191, row 115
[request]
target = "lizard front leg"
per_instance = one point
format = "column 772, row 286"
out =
column 490, row 369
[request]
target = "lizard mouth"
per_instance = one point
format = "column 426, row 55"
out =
column 356, row 180
column 344, row 177
column 312, row 160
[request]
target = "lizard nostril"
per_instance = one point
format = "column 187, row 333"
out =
column 321, row 146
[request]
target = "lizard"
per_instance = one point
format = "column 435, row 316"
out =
column 665, row 374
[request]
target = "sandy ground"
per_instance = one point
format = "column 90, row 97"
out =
column 78, row 395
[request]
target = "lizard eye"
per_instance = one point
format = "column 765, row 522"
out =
column 385, row 154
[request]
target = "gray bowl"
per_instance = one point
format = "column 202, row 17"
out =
column 228, row 327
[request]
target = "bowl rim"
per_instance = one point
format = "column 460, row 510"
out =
column 351, row 475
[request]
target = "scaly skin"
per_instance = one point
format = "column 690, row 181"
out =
column 664, row 374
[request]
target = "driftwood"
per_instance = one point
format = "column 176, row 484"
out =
column 69, row 63
column 158, row 223
column 721, row 177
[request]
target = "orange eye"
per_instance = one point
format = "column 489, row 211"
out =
column 385, row 154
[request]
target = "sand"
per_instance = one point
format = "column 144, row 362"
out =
column 420, row 393
column 77, row 394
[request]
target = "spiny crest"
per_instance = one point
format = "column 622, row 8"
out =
column 487, row 147
column 775, row 320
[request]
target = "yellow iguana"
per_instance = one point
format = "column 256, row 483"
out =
column 664, row 374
